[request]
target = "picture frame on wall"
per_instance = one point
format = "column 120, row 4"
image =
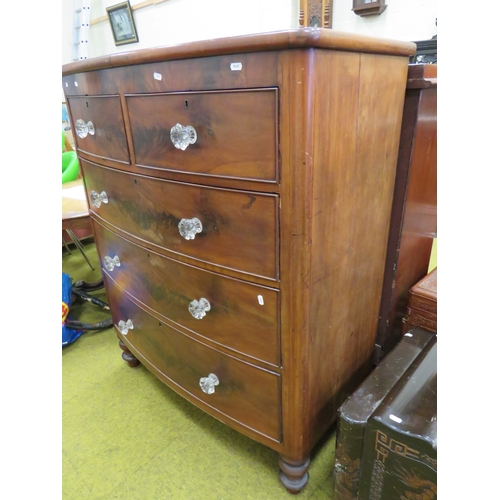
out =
column 122, row 23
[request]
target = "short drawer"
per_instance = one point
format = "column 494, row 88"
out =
column 236, row 314
column 99, row 127
column 227, row 134
column 245, row 393
column 238, row 228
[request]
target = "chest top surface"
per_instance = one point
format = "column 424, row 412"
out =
column 299, row 38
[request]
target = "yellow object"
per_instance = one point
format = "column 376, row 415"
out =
column 433, row 258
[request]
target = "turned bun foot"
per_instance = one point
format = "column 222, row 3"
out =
column 293, row 474
column 128, row 357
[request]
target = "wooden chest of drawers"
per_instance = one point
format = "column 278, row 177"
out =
column 240, row 193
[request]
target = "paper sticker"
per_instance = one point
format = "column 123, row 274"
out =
column 157, row 76
column 236, row 66
column 260, row 299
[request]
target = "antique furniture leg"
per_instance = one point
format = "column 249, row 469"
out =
column 127, row 356
column 293, row 474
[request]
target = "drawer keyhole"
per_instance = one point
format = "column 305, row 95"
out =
column 186, row 104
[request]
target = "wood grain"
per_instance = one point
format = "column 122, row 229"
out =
column 313, row 227
column 105, row 112
column 414, row 210
column 246, row 393
column 301, row 38
column 239, row 228
column 258, row 70
column 236, row 132
column 236, row 320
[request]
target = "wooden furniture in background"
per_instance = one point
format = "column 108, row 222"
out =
column 422, row 304
column 315, row 13
column 414, row 211
column 240, row 192
column 75, row 214
column 400, row 441
column 356, row 413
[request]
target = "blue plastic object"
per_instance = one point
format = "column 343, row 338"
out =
column 68, row 335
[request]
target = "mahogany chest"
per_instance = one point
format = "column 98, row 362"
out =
column 240, row 191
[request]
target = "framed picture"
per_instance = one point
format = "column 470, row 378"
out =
column 122, row 23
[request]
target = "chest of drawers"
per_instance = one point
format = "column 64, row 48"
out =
column 240, row 193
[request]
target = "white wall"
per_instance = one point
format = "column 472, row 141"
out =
column 408, row 20
column 177, row 21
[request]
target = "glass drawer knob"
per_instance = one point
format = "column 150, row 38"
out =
column 189, row 228
column 199, row 308
column 182, row 137
column 125, row 326
column 96, row 199
column 208, row 384
column 111, row 262
column 83, row 129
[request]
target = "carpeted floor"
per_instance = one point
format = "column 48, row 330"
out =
column 128, row 436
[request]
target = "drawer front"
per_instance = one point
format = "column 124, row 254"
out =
column 241, row 316
column 235, row 132
column 238, row 228
column 245, row 393
column 108, row 139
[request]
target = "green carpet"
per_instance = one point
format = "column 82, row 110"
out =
column 128, row 436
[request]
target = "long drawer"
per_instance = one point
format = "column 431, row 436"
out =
column 227, row 134
column 241, row 316
column 238, row 228
column 100, row 129
column 243, row 392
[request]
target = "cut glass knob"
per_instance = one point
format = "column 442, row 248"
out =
column 208, row 384
column 111, row 262
column 83, row 129
column 189, row 228
column 199, row 308
column 182, row 137
column 96, row 199
column 125, row 326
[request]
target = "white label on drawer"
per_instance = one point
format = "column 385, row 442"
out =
column 260, row 299
column 236, row 66
column 157, row 76
column 66, row 84
column 76, row 84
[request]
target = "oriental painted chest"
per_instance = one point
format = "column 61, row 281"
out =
column 240, row 192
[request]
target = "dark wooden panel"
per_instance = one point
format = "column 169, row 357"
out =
column 236, row 132
column 246, row 393
column 414, row 210
column 105, row 112
column 239, row 228
column 201, row 73
column 236, row 319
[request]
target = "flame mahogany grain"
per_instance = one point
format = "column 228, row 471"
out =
column 315, row 234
